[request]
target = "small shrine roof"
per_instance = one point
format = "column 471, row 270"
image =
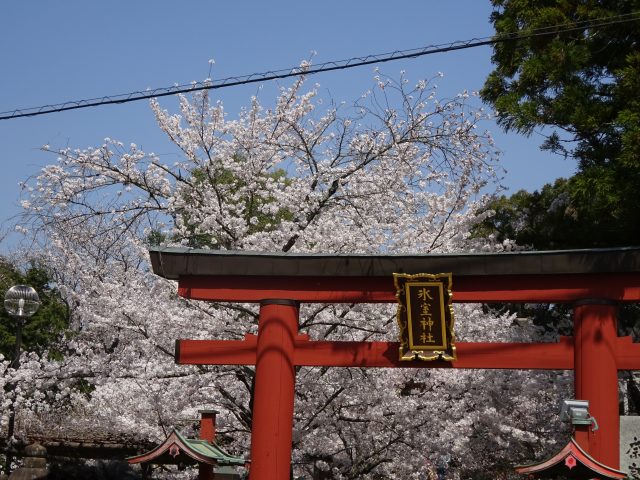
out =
column 571, row 462
column 172, row 263
column 178, row 449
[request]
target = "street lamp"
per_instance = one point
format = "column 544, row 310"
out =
column 21, row 302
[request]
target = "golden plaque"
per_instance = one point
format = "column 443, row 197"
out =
column 425, row 316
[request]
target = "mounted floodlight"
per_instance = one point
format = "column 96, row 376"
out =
column 577, row 411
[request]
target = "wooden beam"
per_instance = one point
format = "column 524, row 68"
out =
column 549, row 356
column 620, row 287
column 552, row 356
column 217, row 352
column 627, row 354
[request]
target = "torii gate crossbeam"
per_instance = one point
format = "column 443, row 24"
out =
column 594, row 281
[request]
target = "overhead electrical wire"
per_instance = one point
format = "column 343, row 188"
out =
column 323, row 67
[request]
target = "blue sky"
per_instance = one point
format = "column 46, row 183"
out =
column 51, row 52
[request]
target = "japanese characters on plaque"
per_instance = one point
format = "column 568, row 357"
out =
column 425, row 316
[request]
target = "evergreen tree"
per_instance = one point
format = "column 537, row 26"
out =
column 51, row 319
column 581, row 79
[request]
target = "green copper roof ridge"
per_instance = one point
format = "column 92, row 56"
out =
column 201, row 447
column 211, row 450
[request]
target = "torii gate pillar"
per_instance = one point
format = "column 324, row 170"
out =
column 272, row 422
column 596, row 377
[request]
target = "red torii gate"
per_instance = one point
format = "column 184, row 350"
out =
column 594, row 281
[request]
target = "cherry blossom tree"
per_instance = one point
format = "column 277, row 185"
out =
column 397, row 171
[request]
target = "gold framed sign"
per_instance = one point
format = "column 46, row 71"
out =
column 425, row 316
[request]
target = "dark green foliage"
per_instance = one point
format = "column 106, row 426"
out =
column 585, row 84
column 155, row 238
column 583, row 81
column 582, row 84
column 46, row 326
column 561, row 215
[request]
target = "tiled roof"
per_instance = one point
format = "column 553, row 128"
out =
column 572, row 462
column 178, row 449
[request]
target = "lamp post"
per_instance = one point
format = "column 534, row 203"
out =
column 21, row 302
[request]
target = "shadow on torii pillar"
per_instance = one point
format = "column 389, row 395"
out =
column 594, row 281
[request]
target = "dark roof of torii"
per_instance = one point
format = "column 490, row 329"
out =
column 178, row 449
column 173, row 263
column 570, row 462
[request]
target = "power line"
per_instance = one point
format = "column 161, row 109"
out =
column 323, row 67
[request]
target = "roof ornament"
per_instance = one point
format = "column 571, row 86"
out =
column 174, row 450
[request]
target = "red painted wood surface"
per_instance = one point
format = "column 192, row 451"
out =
column 596, row 380
column 597, row 355
column 208, row 426
column 623, row 287
column 274, row 390
column 225, row 352
column 627, row 354
column 555, row 466
column 550, row 356
column 208, row 433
